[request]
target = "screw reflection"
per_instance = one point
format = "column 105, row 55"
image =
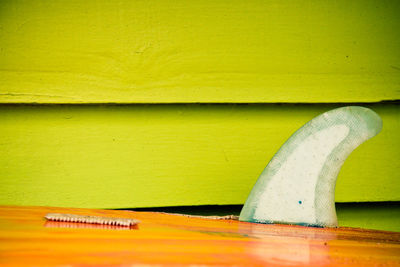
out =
column 53, row 224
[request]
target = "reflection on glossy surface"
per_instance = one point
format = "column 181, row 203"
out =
column 284, row 246
column 178, row 240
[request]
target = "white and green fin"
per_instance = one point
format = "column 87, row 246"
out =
column 298, row 184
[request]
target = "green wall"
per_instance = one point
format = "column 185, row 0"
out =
column 164, row 155
column 168, row 51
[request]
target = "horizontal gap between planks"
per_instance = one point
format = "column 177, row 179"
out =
column 397, row 101
column 222, row 210
column 368, row 215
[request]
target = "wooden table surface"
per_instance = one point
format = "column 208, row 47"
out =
column 167, row 239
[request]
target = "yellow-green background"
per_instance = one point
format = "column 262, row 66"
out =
column 209, row 91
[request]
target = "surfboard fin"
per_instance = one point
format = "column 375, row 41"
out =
column 298, row 184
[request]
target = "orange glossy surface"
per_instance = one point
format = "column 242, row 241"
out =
column 165, row 239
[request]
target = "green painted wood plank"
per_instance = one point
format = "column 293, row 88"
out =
column 199, row 51
column 109, row 156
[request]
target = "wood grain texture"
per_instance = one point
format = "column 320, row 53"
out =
column 167, row 155
column 164, row 239
column 199, row 51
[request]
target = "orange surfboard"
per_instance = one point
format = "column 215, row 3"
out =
column 26, row 238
